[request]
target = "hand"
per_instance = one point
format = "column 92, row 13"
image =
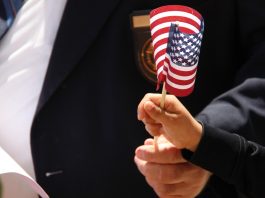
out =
column 167, row 172
column 174, row 121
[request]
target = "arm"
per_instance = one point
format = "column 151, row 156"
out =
column 232, row 158
column 229, row 156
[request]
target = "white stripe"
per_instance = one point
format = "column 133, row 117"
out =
column 181, row 68
column 175, row 13
column 158, row 49
column 161, row 58
column 176, row 86
column 170, row 73
column 161, row 69
column 160, row 37
column 167, row 24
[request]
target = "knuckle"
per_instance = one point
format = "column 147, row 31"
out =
column 164, row 174
column 148, row 95
column 163, row 190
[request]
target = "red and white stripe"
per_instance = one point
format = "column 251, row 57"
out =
column 189, row 21
column 179, row 80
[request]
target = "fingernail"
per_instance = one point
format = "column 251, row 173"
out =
column 140, row 153
column 139, row 115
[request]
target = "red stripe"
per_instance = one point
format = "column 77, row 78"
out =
column 180, row 82
column 174, row 19
column 161, row 77
column 179, row 92
column 160, row 42
column 160, row 53
column 175, row 8
column 161, row 31
column 180, row 72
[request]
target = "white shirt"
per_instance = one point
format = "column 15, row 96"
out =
column 24, row 55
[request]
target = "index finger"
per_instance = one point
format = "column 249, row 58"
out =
column 165, row 154
column 141, row 114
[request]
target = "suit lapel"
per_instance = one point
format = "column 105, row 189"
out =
column 81, row 22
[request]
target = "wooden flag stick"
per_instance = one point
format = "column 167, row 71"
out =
column 164, row 93
column 162, row 105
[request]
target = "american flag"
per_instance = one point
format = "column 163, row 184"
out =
column 176, row 57
column 181, row 61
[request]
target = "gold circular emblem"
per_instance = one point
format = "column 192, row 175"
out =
column 147, row 66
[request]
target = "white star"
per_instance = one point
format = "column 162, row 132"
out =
column 183, row 46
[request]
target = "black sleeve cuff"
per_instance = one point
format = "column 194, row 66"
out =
column 217, row 152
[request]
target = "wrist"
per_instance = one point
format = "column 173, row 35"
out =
column 195, row 137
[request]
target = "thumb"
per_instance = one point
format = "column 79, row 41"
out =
column 154, row 111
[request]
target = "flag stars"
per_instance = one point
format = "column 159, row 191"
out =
column 184, row 49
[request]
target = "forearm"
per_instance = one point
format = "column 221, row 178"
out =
column 241, row 110
column 232, row 158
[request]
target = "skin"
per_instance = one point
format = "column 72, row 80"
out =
column 165, row 170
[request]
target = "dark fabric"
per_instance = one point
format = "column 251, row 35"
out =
column 2, row 11
column 86, row 125
column 234, row 159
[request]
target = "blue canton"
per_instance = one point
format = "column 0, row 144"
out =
column 184, row 49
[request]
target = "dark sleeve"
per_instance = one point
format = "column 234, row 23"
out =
column 240, row 109
column 232, row 158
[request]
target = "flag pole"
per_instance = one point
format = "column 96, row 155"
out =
column 162, row 106
column 164, row 93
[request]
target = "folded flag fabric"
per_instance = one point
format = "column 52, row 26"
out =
column 177, row 33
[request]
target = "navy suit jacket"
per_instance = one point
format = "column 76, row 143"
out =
column 85, row 127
